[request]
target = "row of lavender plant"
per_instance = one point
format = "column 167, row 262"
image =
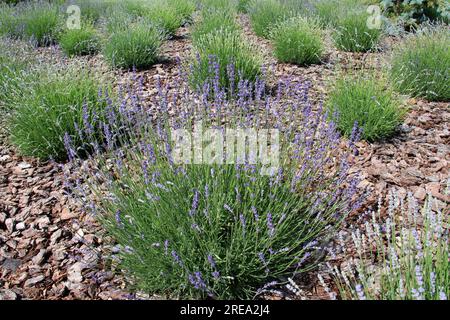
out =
column 210, row 229
column 404, row 256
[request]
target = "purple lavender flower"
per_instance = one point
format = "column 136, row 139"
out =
column 195, row 227
column 68, row 145
column 360, row 292
column 194, row 203
column 262, row 258
column 419, row 278
column 303, row 259
column 243, row 222
column 255, row 213
column 176, row 258
column 270, row 225
column 118, row 219
column 200, row 281
column 227, row 207
column 166, row 246
column 211, row 261
column 416, row 294
column 206, row 191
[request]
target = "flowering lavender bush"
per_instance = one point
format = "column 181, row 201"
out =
column 405, row 257
column 184, row 8
column 16, row 60
column 56, row 104
column 40, row 22
column 242, row 5
column 164, row 16
column 421, row 64
column 265, row 14
column 9, row 22
column 353, row 34
column 212, row 228
column 138, row 46
column 365, row 98
column 299, row 41
column 212, row 20
column 218, row 50
column 82, row 41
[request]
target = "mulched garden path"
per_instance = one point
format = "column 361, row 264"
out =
column 49, row 249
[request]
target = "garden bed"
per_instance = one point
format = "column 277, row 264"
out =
column 52, row 248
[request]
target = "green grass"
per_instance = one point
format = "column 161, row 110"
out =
column 299, row 41
column 50, row 108
column 79, row 42
column 421, row 65
column 368, row 100
column 265, row 14
column 212, row 20
column 138, row 46
column 225, row 48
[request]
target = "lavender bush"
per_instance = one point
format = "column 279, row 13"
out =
column 210, row 229
column 57, row 102
column 406, row 257
column 218, row 50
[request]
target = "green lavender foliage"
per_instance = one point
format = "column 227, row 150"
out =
column 299, row 41
column 226, row 48
column 83, row 41
column 367, row 99
column 265, row 14
column 138, row 46
column 50, row 108
column 353, row 34
column 212, row 20
column 420, row 65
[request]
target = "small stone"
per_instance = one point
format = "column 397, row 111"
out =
column 74, row 272
column 4, row 158
column 33, row 281
column 433, row 188
column 24, row 165
column 20, row 226
column 11, row 264
column 37, row 259
column 420, row 193
column 66, row 214
column 55, row 236
column 9, row 224
column 2, row 217
column 43, row 222
column 6, row 294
